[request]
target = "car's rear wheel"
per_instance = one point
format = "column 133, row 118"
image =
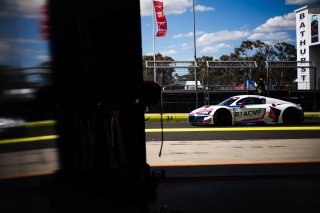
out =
column 222, row 117
column 291, row 116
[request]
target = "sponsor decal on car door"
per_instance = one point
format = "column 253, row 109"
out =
column 249, row 114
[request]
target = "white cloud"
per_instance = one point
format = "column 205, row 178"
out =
column 10, row 46
column 170, row 7
column 168, row 53
column 215, row 48
column 278, row 36
column 187, row 35
column 301, row 1
column 286, row 22
column 185, row 46
column 177, row 6
column 22, row 8
column 201, row 8
column 164, row 53
column 225, row 35
column 22, row 40
column 145, row 8
column 42, row 57
column 148, row 54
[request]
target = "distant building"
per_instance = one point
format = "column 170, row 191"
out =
column 308, row 45
column 190, row 85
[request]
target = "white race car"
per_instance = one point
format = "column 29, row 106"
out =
column 248, row 109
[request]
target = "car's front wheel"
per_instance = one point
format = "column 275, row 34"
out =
column 222, row 117
column 291, row 116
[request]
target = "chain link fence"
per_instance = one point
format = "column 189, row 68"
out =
column 185, row 87
column 233, row 75
column 291, row 75
column 173, row 75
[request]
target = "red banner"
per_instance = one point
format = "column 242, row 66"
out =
column 160, row 17
column 44, row 22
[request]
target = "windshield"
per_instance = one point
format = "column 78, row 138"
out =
column 227, row 102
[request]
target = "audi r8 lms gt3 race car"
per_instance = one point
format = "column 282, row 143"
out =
column 248, row 109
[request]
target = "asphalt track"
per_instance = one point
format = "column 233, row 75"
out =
column 202, row 167
column 34, row 151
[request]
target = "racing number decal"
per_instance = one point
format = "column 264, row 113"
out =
column 249, row 113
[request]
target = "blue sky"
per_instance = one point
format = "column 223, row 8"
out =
column 20, row 41
column 221, row 25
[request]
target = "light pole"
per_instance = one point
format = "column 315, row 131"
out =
column 154, row 46
column 195, row 53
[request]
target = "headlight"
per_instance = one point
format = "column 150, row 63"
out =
column 205, row 113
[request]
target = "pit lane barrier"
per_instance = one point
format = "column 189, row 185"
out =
column 156, row 117
column 183, row 117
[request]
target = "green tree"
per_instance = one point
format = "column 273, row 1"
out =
column 260, row 52
column 202, row 69
column 283, row 78
column 245, row 50
column 285, row 51
column 163, row 76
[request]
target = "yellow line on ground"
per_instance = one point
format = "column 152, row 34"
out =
column 52, row 137
column 30, row 139
column 41, row 123
column 168, row 117
column 301, row 128
column 236, row 163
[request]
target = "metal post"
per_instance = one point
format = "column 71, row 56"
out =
column 315, row 78
column 267, row 82
column 315, row 89
column 195, row 53
column 207, row 89
column 154, row 46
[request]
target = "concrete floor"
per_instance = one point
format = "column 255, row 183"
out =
column 234, row 188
